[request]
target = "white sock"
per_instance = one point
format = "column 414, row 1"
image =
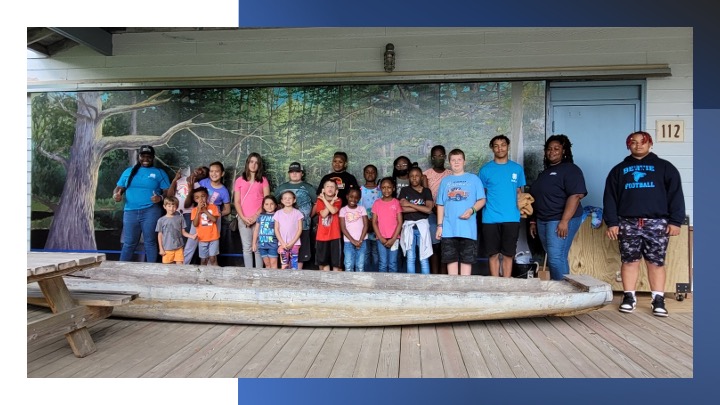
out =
column 654, row 293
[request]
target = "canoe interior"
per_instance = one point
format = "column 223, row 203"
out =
column 240, row 277
column 316, row 298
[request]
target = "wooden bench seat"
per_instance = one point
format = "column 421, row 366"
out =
column 65, row 322
column 92, row 306
column 87, row 298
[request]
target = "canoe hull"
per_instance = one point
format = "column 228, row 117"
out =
column 312, row 298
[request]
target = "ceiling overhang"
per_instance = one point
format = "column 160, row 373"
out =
column 96, row 39
column 52, row 40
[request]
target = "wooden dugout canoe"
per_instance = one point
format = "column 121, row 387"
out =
column 239, row 295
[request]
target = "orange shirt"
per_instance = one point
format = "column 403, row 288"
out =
column 207, row 231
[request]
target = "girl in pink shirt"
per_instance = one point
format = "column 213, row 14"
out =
column 288, row 228
column 250, row 189
column 387, row 222
column 354, row 227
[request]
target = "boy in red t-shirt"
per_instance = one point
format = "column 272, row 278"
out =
column 328, row 245
column 205, row 217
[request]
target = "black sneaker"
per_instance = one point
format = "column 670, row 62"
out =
column 628, row 303
column 658, row 306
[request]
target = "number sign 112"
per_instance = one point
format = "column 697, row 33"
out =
column 670, row 131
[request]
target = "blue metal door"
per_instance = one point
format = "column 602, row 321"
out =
column 597, row 120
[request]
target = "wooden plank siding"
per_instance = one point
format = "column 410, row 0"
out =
column 247, row 52
column 600, row 344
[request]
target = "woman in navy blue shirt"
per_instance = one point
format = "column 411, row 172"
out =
column 557, row 210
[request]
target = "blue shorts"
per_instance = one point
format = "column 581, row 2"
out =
column 270, row 252
column 209, row 249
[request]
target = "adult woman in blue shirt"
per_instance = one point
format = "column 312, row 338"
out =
column 144, row 187
column 557, row 211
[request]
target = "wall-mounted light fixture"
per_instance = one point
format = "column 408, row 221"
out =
column 389, row 58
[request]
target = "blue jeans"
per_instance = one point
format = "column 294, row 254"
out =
column 372, row 258
column 557, row 248
column 138, row 222
column 188, row 222
column 432, row 221
column 354, row 257
column 387, row 259
column 411, row 254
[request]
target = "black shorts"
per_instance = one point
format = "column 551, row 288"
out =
column 463, row 250
column 328, row 253
column 304, row 254
column 501, row 238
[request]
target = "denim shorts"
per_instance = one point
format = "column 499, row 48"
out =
column 209, row 249
column 268, row 250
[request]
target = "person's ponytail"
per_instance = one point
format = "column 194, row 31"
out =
column 133, row 172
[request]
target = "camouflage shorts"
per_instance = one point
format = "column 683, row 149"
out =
column 643, row 237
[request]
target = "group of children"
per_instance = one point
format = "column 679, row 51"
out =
column 204, row 191
column 359, row 227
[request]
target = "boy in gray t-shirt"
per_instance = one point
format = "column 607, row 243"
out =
column 171, row 229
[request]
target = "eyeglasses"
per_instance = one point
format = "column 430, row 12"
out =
column 401, row 165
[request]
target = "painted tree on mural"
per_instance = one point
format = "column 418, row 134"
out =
column 73, row 225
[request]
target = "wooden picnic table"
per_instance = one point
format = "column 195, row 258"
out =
column 69, row 318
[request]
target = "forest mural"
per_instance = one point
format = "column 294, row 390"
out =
column 83, row 141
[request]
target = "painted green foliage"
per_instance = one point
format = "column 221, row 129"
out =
column 189, row 127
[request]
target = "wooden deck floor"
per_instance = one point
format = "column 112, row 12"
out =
column 603, row 343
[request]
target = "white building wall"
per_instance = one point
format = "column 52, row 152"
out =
column 29, row 170
column 322, row 55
